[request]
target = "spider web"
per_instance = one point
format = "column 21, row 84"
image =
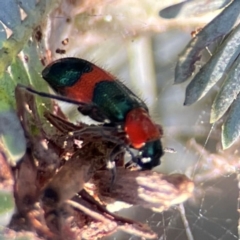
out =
column 212, row 212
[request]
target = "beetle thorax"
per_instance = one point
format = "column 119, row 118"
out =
column 140, row 128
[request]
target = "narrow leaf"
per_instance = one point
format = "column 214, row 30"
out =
column 228, row 92
column 218, row 27
column 231, row 127
column 215, row 68
column 192, row 8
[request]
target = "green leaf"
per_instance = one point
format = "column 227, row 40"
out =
column 215, row 68
column 218, row 27
column 6, row 202
column 231, row 128
column 3, row 35
column 228, row 92
column 12, row 138
column 10, row 14
column 28, row 5
column 18, row 72
column 192, row 8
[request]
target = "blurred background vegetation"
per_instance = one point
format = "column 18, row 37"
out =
column 138, row 41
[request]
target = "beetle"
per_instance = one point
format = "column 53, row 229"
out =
column 105, row 99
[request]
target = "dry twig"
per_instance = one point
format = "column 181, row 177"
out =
column 54, row 169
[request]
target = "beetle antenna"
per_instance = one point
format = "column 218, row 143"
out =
column 52, row 96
